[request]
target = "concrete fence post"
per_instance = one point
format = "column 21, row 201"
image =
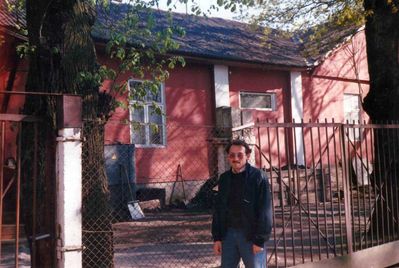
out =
column 69, row 182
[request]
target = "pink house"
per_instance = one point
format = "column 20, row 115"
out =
column 229, row 66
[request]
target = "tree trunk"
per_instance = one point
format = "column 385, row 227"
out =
column 382, row 36
column 382, row 105
column 60, row 31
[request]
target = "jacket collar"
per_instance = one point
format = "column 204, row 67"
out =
column 247, row 169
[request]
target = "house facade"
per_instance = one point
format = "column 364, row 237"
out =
column 230, row 67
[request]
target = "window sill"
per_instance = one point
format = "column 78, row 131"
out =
column 149, row 146
column 258, row 109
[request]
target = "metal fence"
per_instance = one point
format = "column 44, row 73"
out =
column 21, row 215
column 169, row 226
column 334, row 192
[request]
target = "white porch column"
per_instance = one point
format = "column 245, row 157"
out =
column 221, row 77
column 297, row 112
column 69, row 198
column 223, row 113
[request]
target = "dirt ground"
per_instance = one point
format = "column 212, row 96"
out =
column 175, row 238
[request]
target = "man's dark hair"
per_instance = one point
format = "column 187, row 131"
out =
column 239, row 143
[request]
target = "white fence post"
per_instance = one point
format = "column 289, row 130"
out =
column 69, row 182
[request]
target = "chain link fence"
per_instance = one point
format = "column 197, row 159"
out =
column 155, row 204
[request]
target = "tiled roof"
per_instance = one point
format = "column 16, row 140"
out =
column 329, row 37
column 218, row 39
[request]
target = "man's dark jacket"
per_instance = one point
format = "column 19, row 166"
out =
column 256, row 210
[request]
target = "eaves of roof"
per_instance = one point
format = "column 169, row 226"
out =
column 216, row 39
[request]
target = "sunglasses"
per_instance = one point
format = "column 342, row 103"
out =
column 234, row 155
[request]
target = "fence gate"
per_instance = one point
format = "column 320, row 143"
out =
column 335, row 190
column 17, row 184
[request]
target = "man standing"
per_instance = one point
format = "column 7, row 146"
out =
column 242, row 220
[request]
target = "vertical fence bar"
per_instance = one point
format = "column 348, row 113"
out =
column 272, row 190
column 340, row 197
column 374, row 147
column 259, row 144
column 396, row 159
column 391, row 180
column 1, row 183
column 383, row 186
column 329, row 178
column 298, row 181
column 18, row 195
column 307, row 193
column 356, row 186
column 34, row 194
column 357, row 230
column 323, row 185
column 347, row 210
column 386, row 180
column 282, row 193
column 349, row 184
column 369, row 232
column 363, row 233
column 380, row 186
column 315, row 191
column 290, row 192
column 387, row 176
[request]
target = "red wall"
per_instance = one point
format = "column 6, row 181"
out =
column 190, row 121
column 345, row 70
column 9, row 61
column 257, row 80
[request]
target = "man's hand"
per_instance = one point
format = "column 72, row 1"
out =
column 217, row 247
column 256, row 249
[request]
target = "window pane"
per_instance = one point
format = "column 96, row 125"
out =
column 156, row 134
column 136, row 91
column 154, row 116
column 145, row 91
column 260, row 101
column 154, row 93
column 147, row 118
column 138, row 115
column 133, row 84
column 138, row 134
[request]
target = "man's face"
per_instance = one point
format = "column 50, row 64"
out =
column 237, row 157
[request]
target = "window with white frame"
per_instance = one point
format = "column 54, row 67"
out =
column 258, row 100
column 352, row 114
column 147, row 113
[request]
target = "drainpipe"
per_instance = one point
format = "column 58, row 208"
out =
column 69, row 182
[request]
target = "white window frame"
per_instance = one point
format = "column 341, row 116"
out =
column 146, row 105
column 273, row 100
column 357, row 134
